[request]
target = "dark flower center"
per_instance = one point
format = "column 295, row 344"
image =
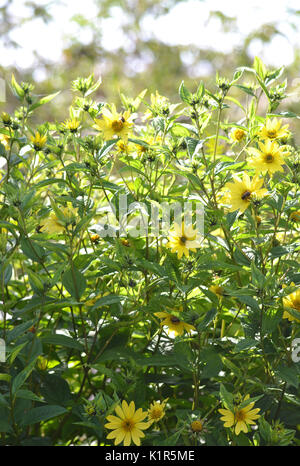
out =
column 245, row 196
column 175, row 320
column 117, row 125
column 183, row 240
column 269, row 158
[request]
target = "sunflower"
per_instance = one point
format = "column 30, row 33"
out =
column 182, row 239
column 244, row 190
column 174, row 324
column 72, row 125
column 38, row 141
column 58, row 221
column 157, row 410
column 127, row 426
column 240, row 418
column 292, row 301
column 273, row 130
column 269, row 158
column 114, row 124
column 237, row 134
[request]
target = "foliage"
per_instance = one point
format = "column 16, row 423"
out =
column 82, row 309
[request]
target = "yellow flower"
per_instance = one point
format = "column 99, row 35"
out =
column 58, row 223
column 174, row 324
column 95, row 238
column 127, row 426
column 292, row 301
column 159, row 106
column 295, row 216
column 157, row 410
column 151, row 141
column 196, row 426
column 114, row 124
column 237, row 134
column 217, row 290
column 72, row 125
column 4, row 139
column 240, row 418
column 273, row 130
column 123, row 147
column 242, row 191
column 38, row 141
column 269, row 158
column 182, row 239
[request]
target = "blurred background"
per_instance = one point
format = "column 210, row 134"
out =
column 138, row 44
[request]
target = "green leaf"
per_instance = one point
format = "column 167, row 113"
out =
column 185, row 95
column 21, row 378
column 32, row 250
column 289, row 374
column 209, row 317
column 42, row 413
column 74, row 282
column 245, row 344
column 43, row 101
column 28, row 395
column 226, row 398
column 213, row 362
column 258, row 278
column 106, row 148
column 17, row 89
column 260, row 68
column 62, row 340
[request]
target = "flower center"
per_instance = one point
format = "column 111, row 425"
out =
column 175, row 320
column 240, row 415
column 117, row 125
column 269, row 158
column 183, row 240
column 156, row 413
column 128, row 425
column 296, row 304
column 196, row 426
column 245, row 196
column 271, row 133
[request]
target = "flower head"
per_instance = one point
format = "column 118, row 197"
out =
column 217, row 290
column 114, row 124
column 240, row 418
column 244, row 190
column 291, row 301
column 237, row 134
column 38, row 141
column 175, row 325
column 157, row 410
column 273, row 130
column 58, row 221
column 295, row 216
column 269, row 158
column 4, row 140
column 197, row 426
column 127, row 426
column 72, row 125
column 182, row 239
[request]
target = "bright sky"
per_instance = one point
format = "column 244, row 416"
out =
column 187, row 23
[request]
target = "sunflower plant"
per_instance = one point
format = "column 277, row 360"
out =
column 130, row 315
